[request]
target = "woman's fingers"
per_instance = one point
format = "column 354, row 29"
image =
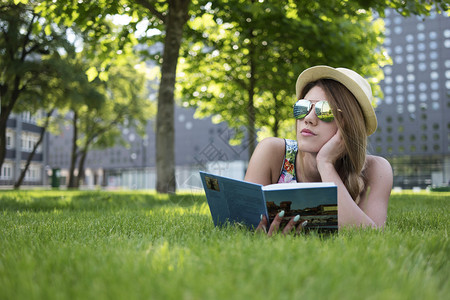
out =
column 262, row 226
column 291, row 224
column 301, row 227
column 276, row 223
column 275, row 226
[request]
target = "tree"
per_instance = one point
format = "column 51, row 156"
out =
column 174, row 15
column 40, row 70
column 243, row 67
column 30, row 61
column 126, row 104
column 44, row 126
column 169, row 17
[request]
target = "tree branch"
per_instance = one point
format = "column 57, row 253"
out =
column 148, row 5
column 27, row 38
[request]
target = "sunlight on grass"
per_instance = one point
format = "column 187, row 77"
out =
column 141, row 245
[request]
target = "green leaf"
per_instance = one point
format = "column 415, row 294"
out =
column 91, row 73
column 103, row 76
column 48, row 30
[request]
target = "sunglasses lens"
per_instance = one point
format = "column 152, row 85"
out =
column 323, row 111
column 301, row 109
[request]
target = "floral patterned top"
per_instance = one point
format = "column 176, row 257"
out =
column 288, row 171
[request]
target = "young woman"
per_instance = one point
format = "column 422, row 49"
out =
column 334, row 117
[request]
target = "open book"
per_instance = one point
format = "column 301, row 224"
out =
column 236, row 201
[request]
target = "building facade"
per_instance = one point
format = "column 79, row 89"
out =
column 22, row 134
column 414, row 116
column 199, row 145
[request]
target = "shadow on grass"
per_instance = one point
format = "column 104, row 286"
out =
column 93, row 200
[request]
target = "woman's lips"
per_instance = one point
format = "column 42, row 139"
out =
column 307, row 132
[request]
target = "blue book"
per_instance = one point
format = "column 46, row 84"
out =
column 236, row 201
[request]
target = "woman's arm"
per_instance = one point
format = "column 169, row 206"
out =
column 372, row 209
column 380, row 179
column 265, row 164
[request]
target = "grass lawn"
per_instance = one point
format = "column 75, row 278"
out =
column 138, row 245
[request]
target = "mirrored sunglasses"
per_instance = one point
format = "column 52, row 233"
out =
column 322, row 108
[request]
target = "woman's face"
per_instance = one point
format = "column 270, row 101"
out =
column 313, row 133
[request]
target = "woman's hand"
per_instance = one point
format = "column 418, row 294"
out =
column 332, row 150
column 274, row 227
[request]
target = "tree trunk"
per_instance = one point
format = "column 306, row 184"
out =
column 74, row 154
column 80, row 175
column 19, row 181
column 276, row 123
column 165, row 127
column 5, row 111
column 4, row 115
column 251, row 112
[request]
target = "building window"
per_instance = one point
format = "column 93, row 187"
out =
column 422, row 66
column 411, row 77
column 399, row 89
column 410, row 38
column 28, row 140
column 388, row 80
column 6, row 171
column 435, row 96
column 33, row 173
column 9, row 139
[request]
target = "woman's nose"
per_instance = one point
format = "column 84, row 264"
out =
column 311, row 117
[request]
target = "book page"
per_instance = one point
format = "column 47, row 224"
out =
column 315, row 203
column 298, row 185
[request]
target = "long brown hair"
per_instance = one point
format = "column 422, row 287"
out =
column 350, row 121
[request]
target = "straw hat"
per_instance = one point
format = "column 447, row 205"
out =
column 354, row 82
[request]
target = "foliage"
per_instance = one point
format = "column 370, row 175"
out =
column 50, row 62
column 139, row 245
column 258, row 49
column 124, row 104
column 30, row 63
column 243, row 58
column 253, row 51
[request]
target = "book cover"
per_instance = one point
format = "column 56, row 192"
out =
column 236, row 201
column 233, row 201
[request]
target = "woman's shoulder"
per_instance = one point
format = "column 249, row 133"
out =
column 265, row 164
column 272, row 144
column 374, row 160
column 377, row 166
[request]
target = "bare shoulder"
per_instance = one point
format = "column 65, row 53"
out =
column 272, row 145
column 265, row 163
column 377, row 166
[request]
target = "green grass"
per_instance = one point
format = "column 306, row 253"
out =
column 136, row 245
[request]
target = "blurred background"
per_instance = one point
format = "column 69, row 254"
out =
column 143, row 94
